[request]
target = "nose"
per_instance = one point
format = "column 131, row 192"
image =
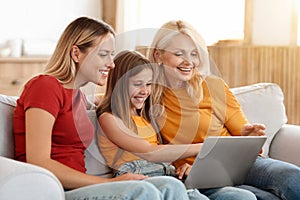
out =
column 110, row 65
column 189, row 60
column 145, row 89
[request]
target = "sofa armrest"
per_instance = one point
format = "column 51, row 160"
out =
column 285, row 145
column 20, row 180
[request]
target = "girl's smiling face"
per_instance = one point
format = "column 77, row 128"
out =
column 140, row 88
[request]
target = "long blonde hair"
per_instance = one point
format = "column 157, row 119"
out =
column 83, row 33
column 116, row 99
column 160, row 43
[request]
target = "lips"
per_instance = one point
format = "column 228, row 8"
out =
column 104, row 72
column 140, row 99
column 184, row 69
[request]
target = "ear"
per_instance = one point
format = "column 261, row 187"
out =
column 157, row 56
column 75, row 53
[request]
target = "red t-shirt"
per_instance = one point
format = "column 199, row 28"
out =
column 72, row 131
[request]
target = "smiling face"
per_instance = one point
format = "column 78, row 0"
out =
column 140, row 88
column 96, row 63
column 179, row 58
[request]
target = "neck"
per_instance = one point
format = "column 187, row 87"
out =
column 74, row 85
column 176, row 84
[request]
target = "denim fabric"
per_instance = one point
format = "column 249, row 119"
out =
column 259, row 193
column 278, row 177
column 147, row 168
column 228, row 193
column 160, row 187
column 268, row 179
column 195, row 194
column 123, row 190
column 172, row 188
column 158, row 171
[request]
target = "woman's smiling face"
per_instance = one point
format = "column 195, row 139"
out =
column 180, row 58
column 96, row 63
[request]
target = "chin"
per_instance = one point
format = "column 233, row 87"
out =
column 138, row 106
column 187, row 78
column 101, row 82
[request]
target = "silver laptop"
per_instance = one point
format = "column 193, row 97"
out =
column 224, row 161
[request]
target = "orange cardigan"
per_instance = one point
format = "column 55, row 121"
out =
column 186, row 120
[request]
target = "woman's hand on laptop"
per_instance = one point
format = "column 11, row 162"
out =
column 255, row 129
column 183, row 170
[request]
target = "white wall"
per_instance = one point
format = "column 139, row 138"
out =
column 273, row 22
column 42, row 19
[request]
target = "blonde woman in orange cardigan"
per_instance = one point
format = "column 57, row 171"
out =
column 197, row 103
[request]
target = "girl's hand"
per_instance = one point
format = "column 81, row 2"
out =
column 130, row 176
column 183, row 170
column 253, row 130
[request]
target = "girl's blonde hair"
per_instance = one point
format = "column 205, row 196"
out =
column 82, row 32
column 160, row 43
column 116, row 99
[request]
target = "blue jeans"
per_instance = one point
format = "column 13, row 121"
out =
column 161, row 187
column 158, row 170
column 268, row 179
column 154, row 169
column 147, row 168
column 228, row 193
column 277, row 177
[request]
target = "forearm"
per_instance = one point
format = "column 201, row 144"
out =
column 170, row 153
column 70, row 178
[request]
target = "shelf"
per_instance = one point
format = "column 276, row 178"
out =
column 24, row 59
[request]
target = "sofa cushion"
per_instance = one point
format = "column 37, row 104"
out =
column 285, row 145
column 7, row 105
column 26, row 181
column 263, row 103
column 94, row 161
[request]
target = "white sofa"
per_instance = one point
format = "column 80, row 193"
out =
column 262, row 102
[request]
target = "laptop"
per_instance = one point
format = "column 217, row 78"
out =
column 224, row 161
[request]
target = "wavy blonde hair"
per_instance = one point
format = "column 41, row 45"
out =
column 160, row 43
column 82, row 32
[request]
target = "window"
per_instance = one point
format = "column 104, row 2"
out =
column 257, row 22
column 214, row 19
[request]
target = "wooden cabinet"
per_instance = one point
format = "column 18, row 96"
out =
column 14, row 73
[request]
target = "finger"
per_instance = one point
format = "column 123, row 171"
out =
column 181, row 173
column 188, row 170
column 183, row 170
column 136, row 176
column 259, row 126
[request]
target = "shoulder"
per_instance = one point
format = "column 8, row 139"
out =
column 44, row 78
column 41, row 89
column 43, row 82
column 105, row 117
column 216, row 83
column 109, row 119
column 214, row 80
column 110, row 123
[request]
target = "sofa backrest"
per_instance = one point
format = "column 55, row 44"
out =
column 7, row 105
column 263, row 103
